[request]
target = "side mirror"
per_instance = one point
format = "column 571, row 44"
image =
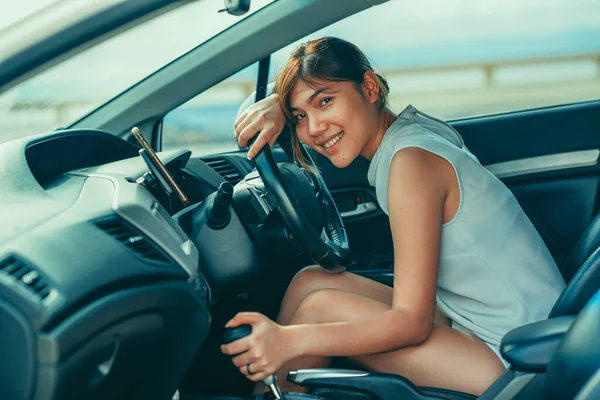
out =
column 237, row 7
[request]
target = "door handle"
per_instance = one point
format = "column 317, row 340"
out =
column 361, row 209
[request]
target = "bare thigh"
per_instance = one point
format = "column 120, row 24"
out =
column 313, row 278
column 448, row 359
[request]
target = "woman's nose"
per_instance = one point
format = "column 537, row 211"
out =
column 316, row 126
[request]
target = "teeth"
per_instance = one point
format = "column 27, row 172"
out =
column 333, row 141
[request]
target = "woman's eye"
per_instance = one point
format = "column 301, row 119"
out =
column 298, row 117
column 325, row 101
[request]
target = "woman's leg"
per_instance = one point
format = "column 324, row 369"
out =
column 448, row 359
column 309, row 280
column 313, row 278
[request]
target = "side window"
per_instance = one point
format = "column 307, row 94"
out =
column 204, row 124
column 463, row 58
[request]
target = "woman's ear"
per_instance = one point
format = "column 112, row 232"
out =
column 370, row 87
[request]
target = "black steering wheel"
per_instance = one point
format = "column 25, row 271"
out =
column 331, row 248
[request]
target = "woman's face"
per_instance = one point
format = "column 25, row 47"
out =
column 334, row 118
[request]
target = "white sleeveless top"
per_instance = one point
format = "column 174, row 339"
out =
column 495, row 273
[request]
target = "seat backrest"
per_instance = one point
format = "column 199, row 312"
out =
column 588, row 242
column 577, row 358
column 591, row 390
column 581, row 271
column 580, row 288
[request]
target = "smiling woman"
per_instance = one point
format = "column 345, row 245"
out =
column 64, row 92
column 111, row 288
column 450, row 220
column 320, row 73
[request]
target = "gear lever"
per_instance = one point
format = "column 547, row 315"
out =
column 233, row 334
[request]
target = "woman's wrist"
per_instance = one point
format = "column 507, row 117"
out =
column 297, row 336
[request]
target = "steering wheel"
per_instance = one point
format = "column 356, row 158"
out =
column 330, row 250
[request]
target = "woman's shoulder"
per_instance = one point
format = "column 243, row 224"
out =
column 418, row 170
column 413, row 127
column 420, row 140
column 421, row 166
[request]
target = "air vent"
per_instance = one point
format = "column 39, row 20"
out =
column 225, row 168
column 27, row 276
column 133, row 240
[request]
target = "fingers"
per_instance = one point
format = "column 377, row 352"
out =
column 249, row 350
column 244, row 344
column 242, row 318
column 246, row 358
column 259, row 368
column 273, row 140
column 239, row 120
column 247, row 130
column 264, row 117
column 266, row 136
column 238, row 347
column 258, row 376
column 259, row 371
column 250, row 117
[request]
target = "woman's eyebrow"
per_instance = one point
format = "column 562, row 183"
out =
column 314, row 95
column 318, row 92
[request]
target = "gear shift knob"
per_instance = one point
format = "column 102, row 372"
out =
column 233, row 334
column 217, row 214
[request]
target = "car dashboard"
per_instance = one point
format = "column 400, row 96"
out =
column 97, row 277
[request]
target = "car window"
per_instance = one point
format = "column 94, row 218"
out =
column 204, row 124
column 69, row 90
column 15, row 11
column 463, row 58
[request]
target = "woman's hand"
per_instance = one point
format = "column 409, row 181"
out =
column 264, row 351
column 264, row 117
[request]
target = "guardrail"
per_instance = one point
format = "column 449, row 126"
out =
column 488, row 69
column 447, row 90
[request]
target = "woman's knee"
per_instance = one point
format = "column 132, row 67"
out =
column 305, row 282
column 308, row 280
column 313, row 308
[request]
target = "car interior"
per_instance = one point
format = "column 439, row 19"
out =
column 119, row 266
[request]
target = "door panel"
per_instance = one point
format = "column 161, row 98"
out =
column 559, row 209
column 559, row 202
column 532, row 133
column 558, row 193
column 354, row 203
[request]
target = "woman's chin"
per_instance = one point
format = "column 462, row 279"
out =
column 341, row 160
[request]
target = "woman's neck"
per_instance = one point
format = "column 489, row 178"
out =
column 386, row 118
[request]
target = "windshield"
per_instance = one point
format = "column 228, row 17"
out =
column 75, row 87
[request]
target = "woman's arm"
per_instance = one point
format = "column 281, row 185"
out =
column 416, row 196
column 417, row 190
column 265, row 118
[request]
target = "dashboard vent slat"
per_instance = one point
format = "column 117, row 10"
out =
column 136, row 242
column 225, row 168
column 27, row 276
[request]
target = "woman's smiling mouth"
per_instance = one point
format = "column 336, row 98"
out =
column 327, row 145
